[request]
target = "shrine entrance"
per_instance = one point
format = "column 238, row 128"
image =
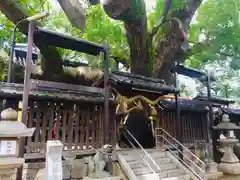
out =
column 138, row 124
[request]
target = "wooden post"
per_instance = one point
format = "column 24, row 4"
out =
column 106, row 97
column 26, row 89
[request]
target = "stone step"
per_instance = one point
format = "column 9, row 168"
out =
column 183, row 177
column 142, row 171
column 137, row 155
column 148, row 177
column 163, row 174
column 153, row 177
column 159, row 161
column 140, row 164
column 175, row 173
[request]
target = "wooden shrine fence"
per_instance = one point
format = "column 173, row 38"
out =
column 77, row 124
column 193, row 125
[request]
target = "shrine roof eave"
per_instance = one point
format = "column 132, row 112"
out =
column 139, row 82
column 216, row 100
column 15, row 91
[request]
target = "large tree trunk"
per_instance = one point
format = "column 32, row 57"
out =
column 137, row 40
column 172, row 48
column 15, row 13
column 133, row 14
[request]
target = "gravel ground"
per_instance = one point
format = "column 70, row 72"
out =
column 230, row 177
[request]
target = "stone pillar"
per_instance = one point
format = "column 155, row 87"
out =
column 10, row 131
column 54, row 160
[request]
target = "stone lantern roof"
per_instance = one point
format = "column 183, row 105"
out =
column 226, row 124
column 9, row 127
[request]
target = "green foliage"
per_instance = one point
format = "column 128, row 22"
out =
column 216, row 37
column 3, row 64
column 100, row 28
column 217, row 23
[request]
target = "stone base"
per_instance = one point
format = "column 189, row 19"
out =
column 8, row 174
column 107, row 178
column 214, row 175
column 211, row 167
column 227, row 168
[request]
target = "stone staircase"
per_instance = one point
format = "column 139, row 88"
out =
column 137, row 166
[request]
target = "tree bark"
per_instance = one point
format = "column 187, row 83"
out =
column 74, row 11
column 133, row 14
column 171, row 49
column 14, row 12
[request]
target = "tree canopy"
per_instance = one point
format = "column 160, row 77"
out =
column 215, row 40
column 147, row 42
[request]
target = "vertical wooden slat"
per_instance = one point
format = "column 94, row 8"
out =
column 187, row 129
column 87, row 128
column 76, row 128
column 44, row 123
column 191, row 128
column 90, row 129
column 114, row 128
column 58, row 110
column 64, row 124
column 38, row 120
column 82, row 128
column 199, row 128
column 30, row 125
column 204, row 126
column 101, row 127
column 50, row 120
column 98, row 128
column 174, row 123
column 184, row 132
column 70, row 129
column 167, row 121
column 94, row 116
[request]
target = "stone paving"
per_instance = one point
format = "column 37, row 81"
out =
column 230, row 177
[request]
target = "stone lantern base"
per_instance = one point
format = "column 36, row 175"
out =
column 9, row 174
column 228, row 168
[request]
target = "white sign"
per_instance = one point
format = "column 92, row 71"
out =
column 8, row 147
column 54, row 160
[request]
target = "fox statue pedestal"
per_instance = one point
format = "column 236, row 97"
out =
column 97, row 163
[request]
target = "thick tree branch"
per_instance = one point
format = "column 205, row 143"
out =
column 171, row 49
column 15, row 13
column 74, row 11
column 166, row 9
column 133, row 14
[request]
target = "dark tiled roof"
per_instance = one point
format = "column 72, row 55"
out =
column 141, row 82
column 216, row 100
column 15, row 90
column 185, row 105
column 233, row 111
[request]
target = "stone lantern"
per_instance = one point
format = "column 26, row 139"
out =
column 10, row 132
column 229, row 162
